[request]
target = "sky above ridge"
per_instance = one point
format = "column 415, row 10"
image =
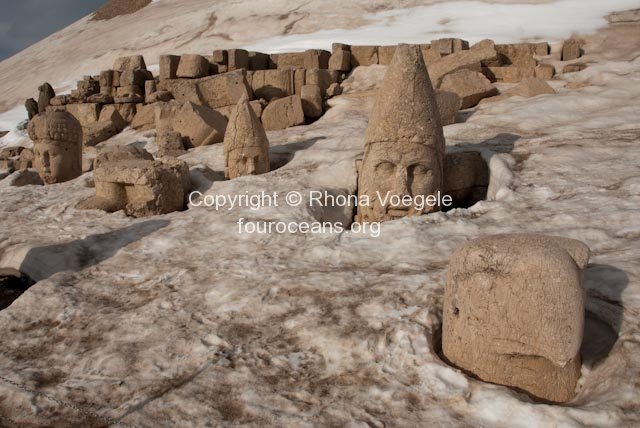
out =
column 25, row 22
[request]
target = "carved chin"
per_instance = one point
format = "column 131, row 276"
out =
column 395, row 213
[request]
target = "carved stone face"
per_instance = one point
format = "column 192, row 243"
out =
column 57, row 161
column 397, row 169
column 57, row 146
column 247, row 161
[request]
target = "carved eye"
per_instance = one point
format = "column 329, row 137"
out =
column 385, row 167
column 421, row 171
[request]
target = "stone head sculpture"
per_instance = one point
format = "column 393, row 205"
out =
column 57, row 139
column 513, row 312
column 246, row 146
column 404, row 143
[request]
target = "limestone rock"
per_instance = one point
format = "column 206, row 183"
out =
column 60, row 100
column 134, row 78
column 574, row 68
column 334, row 90
column 269, row 84
column 98, row 132
column 111, row 114
column 25, row 160
column 200, row 125
column 283, row 113
column 31, row 106
column 311, row 101
column 237, row 59
column 106, row 79
column 364, row 55
column 193, row 67
column 288, row 60
column 140, row 187
column 258, row 61
column 466, row 59
column 246, row 146
column 404, row 142
column 165, row 113
column 449, row 46
column 159, row 96
column 509, row 74
column 545, row 71
column 448, row 105
column 470, row 86
column 46, row 92
column 519, row 54
column 169, row 66
column 321, row 78
column 214, row 91
column 514, row 312
column 466, row 177
column 531, row 88
column 225, row 89
column 127, row 111
column 571, row 50
column 134, row 62
column 100, row 99
column 149, row 88
column 385, row 54
column 86, row 114
column 257, row 106
column 145, row 118
column 170, row 144
column 22, row 177
column 120, row 153
column 316, row 58
column 340, row 61
column 129, row 94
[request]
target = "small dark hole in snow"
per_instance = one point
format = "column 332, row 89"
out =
column 12, row 287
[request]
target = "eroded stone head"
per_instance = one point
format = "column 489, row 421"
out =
column 513, row 312
column 246, row 145
column 57, row 138
column 404, row 143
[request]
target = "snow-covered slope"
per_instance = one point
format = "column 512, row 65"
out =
column 180, row 320
column 200, row 26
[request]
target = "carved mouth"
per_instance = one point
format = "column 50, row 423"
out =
column 398, row 212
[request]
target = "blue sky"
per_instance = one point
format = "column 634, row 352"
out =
column 25, row 22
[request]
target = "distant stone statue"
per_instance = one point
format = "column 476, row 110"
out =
column 513, row 312
column 45, row 94
column 246, row 146
column 404, row 143
column 57, row 139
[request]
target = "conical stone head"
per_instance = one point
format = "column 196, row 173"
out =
column 246, row 145
column 404, row 143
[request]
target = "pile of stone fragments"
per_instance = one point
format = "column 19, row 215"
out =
column 193, row 100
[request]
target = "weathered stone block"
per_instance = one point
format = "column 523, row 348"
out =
column 514, row 312
column 470, row 86
column 200, row 125
column 340, row 61
column 169, row 66
column 134, row 62
column 311, row 97
column 283, row 113
column 193, row 67
column 364, row 55
column 316, row 58
column 238, row 59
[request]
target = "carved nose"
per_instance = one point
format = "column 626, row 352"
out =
column 402, row 182
column 44, row 158
column 251, row 166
